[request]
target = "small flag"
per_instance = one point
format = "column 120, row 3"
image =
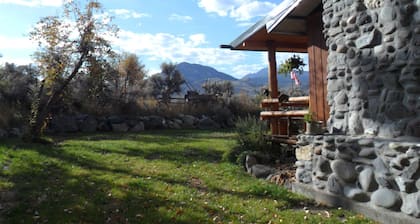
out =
column 293, row 76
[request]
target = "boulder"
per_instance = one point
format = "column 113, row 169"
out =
column 261, row 171
column 413, row 169
column 411, row 204
column 171, row 124
column 89, row 124
column 366, row 142
column 380, row 166
column 367, row 153
column 122, row 127
column 385, row 198
column 138, row 127
column 64, row 124
column 386, row 180
column 355, row 194
column 115, row 119
column 103, row 125
column 345, row 152
column 344, row 170
column 15, row 132
column 404, row 184
column 188, row 121
column 207, row 123
column 400, row 162
column 304, row 153
column 367, row 180
column 333, row 185
column 3, row 133
column 154, row 122
column 131, row 122
column 303, row 176
column 250, row 161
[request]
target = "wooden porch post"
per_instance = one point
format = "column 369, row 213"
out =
column 272, row 77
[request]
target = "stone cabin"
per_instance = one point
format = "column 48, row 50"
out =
column 364, row 61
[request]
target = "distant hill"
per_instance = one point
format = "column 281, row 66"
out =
column 196, row 74
column 260, row 79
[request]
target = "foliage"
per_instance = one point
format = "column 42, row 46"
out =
column 220, row 88
column 153, row 177
column 249, row 138
column 308, row 117
column 166, row 83
column 131, row 81
column 70, row 45
column 16, row 87
column 243, row 105
column 293, row 63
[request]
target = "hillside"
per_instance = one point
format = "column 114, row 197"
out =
column 260, row 79
column 196, row 74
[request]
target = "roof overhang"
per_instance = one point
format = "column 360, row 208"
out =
column 283, row 28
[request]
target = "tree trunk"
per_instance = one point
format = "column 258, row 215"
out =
column 40, row 112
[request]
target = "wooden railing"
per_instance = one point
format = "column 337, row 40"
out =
column 282, row 114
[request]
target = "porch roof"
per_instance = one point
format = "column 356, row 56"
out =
column 284, row 27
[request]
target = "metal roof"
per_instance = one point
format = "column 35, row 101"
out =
column 285, row 25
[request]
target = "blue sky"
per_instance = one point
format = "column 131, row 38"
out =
column 155, row 30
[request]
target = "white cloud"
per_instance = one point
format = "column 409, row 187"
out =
column 18, row 43
column 168, row 47
column 16, row 60
column 244, row 69
column 197, row 39
column 128, row 14
column 16, row 50
column 240, row 10
column 176, row 17
column 220, row 7
column 245, row 24
column 34, row 3
column 252, row 9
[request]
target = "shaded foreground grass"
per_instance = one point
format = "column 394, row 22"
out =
column 152, row 177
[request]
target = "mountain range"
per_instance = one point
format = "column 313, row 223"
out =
column 196, row 74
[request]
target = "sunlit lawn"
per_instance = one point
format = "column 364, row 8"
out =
column 152, row 177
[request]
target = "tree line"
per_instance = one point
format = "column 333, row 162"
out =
column 77, row 70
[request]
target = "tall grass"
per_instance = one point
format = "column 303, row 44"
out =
column 249, row 136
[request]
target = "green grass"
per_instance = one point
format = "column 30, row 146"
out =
column 153, row 177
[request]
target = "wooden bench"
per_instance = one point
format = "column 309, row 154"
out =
column 264, row 115
column 300, row 101
column 281, row 115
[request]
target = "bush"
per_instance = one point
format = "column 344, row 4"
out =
column 249, row 137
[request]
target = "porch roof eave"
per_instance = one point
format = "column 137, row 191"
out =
column 284, row 27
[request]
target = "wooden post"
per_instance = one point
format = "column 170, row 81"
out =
column 272, row 77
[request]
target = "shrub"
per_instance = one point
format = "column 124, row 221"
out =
column 242, row 105
column 249, row 137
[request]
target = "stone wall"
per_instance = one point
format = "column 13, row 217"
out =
column 371, row 154
column 381, row 173
column 373, row 66
column 87, row 124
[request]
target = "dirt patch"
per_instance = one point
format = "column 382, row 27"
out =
column 284, row 174
column 197, row 183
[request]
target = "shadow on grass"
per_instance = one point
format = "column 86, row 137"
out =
column 58, row 184
column 47, row 191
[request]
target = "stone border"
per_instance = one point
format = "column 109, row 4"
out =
column 378, row 214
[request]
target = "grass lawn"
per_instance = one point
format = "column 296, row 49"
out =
column 152, row 177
